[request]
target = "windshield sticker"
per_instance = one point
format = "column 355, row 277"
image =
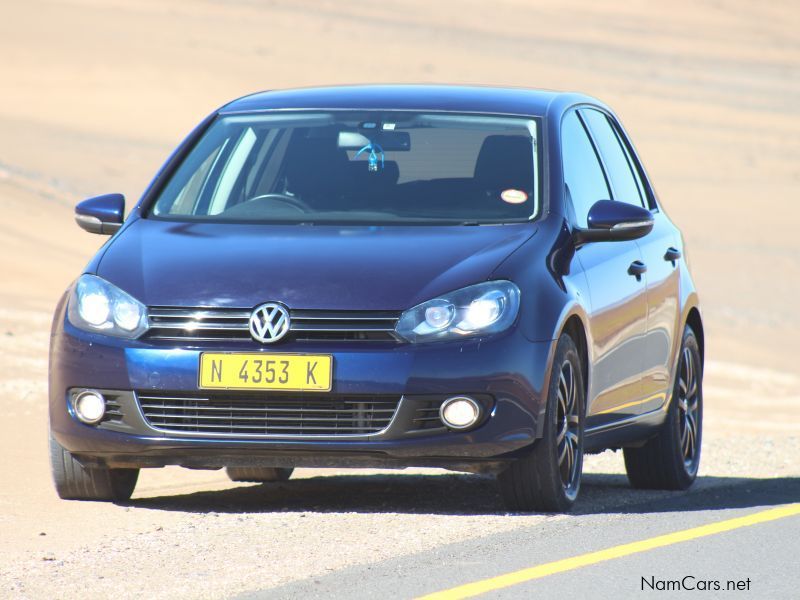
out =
column 513, row 196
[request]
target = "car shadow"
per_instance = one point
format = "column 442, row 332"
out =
column 459, row 494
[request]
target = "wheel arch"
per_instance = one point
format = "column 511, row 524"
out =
column 574, row 323
column 695, row 321
column 575, row 328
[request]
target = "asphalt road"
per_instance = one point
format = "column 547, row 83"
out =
column 761, row 559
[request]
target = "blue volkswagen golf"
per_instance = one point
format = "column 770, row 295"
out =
column 477, row 279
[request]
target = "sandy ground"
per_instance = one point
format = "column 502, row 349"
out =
column 94, row 95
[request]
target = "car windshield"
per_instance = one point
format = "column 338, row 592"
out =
column 352, row 167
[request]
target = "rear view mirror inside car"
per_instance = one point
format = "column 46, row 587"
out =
column 396, row 141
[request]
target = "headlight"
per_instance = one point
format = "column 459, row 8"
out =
column 475, row 310
column 98, row 306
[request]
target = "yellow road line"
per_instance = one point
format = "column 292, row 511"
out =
column 559, row 566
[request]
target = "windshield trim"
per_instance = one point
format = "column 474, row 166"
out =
column 188, row 219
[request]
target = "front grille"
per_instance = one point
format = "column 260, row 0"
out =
column 232, row 325
column 245, row 414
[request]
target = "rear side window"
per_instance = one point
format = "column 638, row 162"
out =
column 583, row 175
column 627, row 186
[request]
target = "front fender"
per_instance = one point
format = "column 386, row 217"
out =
column 554, row 290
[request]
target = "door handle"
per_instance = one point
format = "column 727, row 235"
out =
column 637, row 269
column 672, row 255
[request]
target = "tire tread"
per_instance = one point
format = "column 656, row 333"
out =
column 658, row 465
column 74, row 481
column 533, row 482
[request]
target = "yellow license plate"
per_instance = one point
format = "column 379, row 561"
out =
column 288, row 372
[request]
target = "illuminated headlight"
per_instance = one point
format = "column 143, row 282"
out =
column 90, row 407
column 475, row 310
column 98, row 306
column 460, row 412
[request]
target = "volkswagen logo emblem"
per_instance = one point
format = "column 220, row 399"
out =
column 269, row 322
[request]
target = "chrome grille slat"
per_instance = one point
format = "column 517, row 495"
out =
column 338, row 327
column 320, row 430
column 344, row 400
column 268, row 414
column 208, row 326
column 175, row 338
column 205, row 324
column 260, row 410
column 198, row 313
column 307, row 315
column 233, row 418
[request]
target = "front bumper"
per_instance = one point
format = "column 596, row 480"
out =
column 507, row 371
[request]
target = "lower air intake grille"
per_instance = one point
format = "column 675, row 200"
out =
column 426, row 416
column 113, row 408
column 237, row 415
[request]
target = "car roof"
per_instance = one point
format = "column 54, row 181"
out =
column 478, row 99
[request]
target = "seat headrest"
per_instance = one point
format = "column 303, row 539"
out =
column 505, row 162
column 314, row 165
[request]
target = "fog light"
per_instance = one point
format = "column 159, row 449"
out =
column 89, row 407
column 460, row 412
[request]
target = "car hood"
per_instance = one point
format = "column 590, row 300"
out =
column 164, row 263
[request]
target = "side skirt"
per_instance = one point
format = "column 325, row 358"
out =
column 626, row 432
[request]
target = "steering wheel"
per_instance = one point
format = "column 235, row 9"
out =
column 291, row 201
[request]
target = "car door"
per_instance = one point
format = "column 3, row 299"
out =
column 659, row 254
column 617, row 299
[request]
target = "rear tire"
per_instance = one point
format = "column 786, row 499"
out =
column 258, row 474
column 548, row 478
column 75, row 481
column 670, row 460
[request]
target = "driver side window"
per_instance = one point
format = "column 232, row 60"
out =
column 583, row 176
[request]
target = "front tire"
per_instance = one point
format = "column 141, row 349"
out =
column 670, row 460
column 258, row 474
column 75, row 481
column 549, row 477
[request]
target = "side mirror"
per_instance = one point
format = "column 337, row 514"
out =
column 611, row 221
column 101, row 214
